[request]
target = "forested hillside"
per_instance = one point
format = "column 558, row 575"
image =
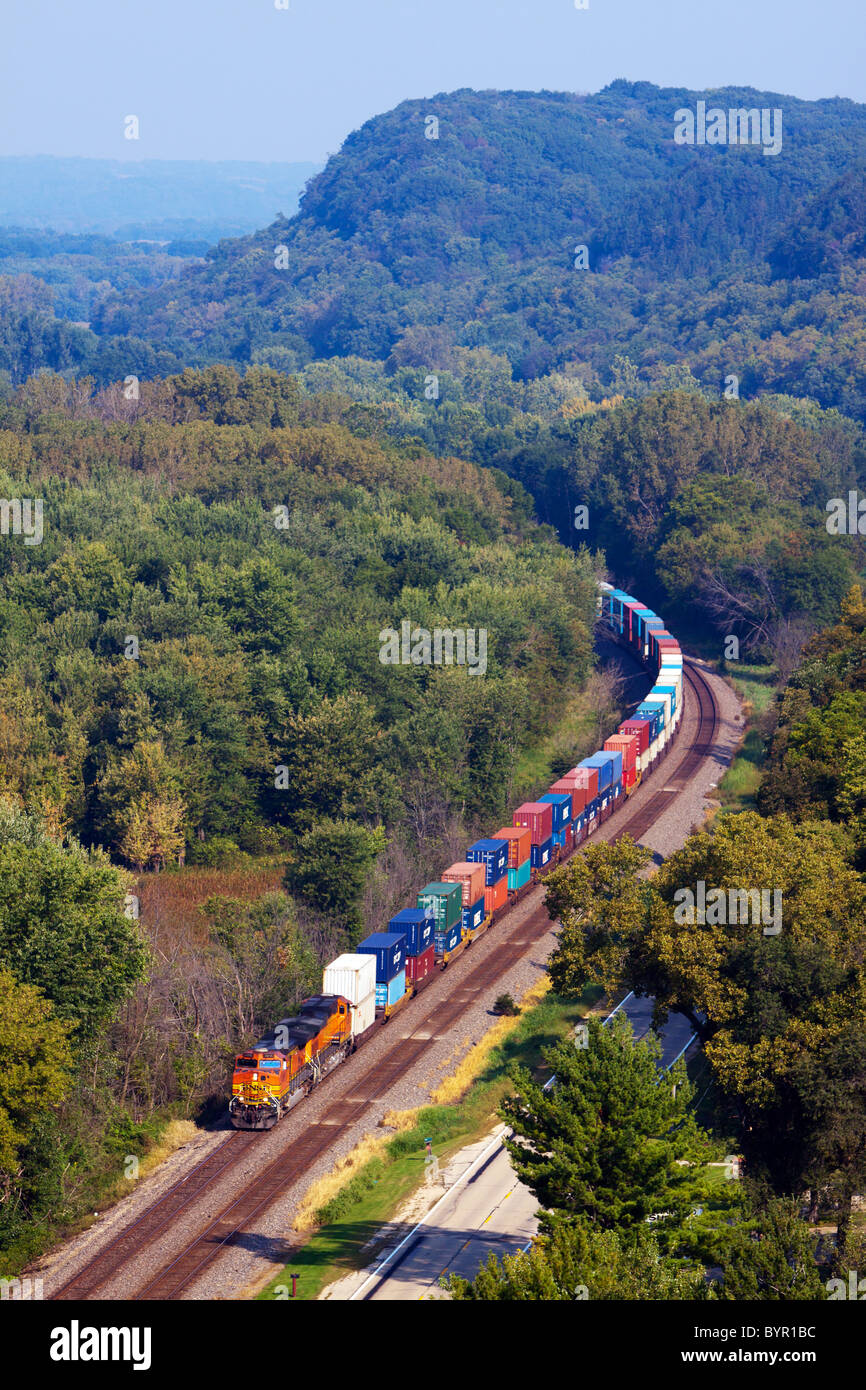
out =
column 406, row 247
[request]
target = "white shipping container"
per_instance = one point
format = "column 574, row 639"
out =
column 364, row 1014
column 353, row 975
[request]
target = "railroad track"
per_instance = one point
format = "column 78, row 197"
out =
column 476, row 976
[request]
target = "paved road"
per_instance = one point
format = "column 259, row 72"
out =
column 490, row 1211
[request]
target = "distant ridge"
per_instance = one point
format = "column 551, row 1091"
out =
column 150, row 199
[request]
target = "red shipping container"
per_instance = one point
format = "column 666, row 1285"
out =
column 569, row 835
column 575, row 791
column 538, row 816
column 496, row 897
column 641, row 729
column 625, row 744
column 631, row 609
column 586, row 777
column 519, row 840
column 419, row 967
column 471, row 879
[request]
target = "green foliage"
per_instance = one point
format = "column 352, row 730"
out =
column 771, row 1256
column 62, row 925
column 603, row 1143
column 579, row 1262
column 331, row 867
column 37, row 1064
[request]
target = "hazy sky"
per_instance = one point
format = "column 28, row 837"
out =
column 241, row 79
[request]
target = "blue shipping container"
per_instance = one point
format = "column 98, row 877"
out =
column 473, row 916
column 389, row 948
column 493, row 854
column 658, row 707
column 559, row 837
column 654, row 715
column 668, row 690
column 392, row 991
column 604, row 762
column 561, row 803
column 541, row 854
column 519, row 877
column 418, row 925
column 447, row 941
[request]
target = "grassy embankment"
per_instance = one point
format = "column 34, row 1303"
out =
column 756, row 687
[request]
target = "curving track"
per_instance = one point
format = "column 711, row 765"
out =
column 475, row 976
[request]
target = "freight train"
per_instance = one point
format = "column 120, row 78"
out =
column 368, row 985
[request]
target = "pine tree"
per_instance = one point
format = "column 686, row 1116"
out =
column 604, row 1141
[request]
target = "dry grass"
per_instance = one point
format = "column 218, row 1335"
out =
column 173, row 1137
column 170, row 901
column 323, row 1190
column 457, row 1084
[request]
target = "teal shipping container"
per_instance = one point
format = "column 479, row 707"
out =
column 519, row 877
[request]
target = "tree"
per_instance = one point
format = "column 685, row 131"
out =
column 37, row 1064
column 331, row 867
column 603, row 1143
column 62, row 924
column 770, row 1256
column 577, row 1263
column 600, row 903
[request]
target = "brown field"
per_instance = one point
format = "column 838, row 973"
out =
column 170, row 902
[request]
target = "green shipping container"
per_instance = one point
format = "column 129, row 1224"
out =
column 446, row 900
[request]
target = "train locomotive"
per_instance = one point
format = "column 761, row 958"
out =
column 366, row 987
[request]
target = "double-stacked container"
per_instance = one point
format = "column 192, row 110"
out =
column 537, row 817
column 608, row 765
column 647, row 622
column 353, row 975
column 471, row 878
column 627, row 745
column 417, row 925
column 493, row 854
column 389, row 950
column 584, row 786
column 562, row 816
column 641, row 729
column 445, row 900
column 519, row 854
column 654, row 711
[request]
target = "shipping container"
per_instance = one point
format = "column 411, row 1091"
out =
column 560, row 837
column 605, row 764
column 353, row 975
column 472, row 880
column 541, row 853
column 538, row 816
column 587, row 778
column 655, row 697
column 364, row 1014
column 391, row 991
column 445, row 942
column 654, row 713
column 493, row 854
column 627, row 746
column 576, row 790
column 496, row 895
column 418, row 925
column 519, row 839
column 561, row 803
column 519, row 877
column 641, row 729
column 420, row 966
column 445, row 899
column 474, row 915
column 633, row 609
column 671, row 692
column 389, row 949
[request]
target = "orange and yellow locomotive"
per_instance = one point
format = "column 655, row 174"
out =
column 285, row 1066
